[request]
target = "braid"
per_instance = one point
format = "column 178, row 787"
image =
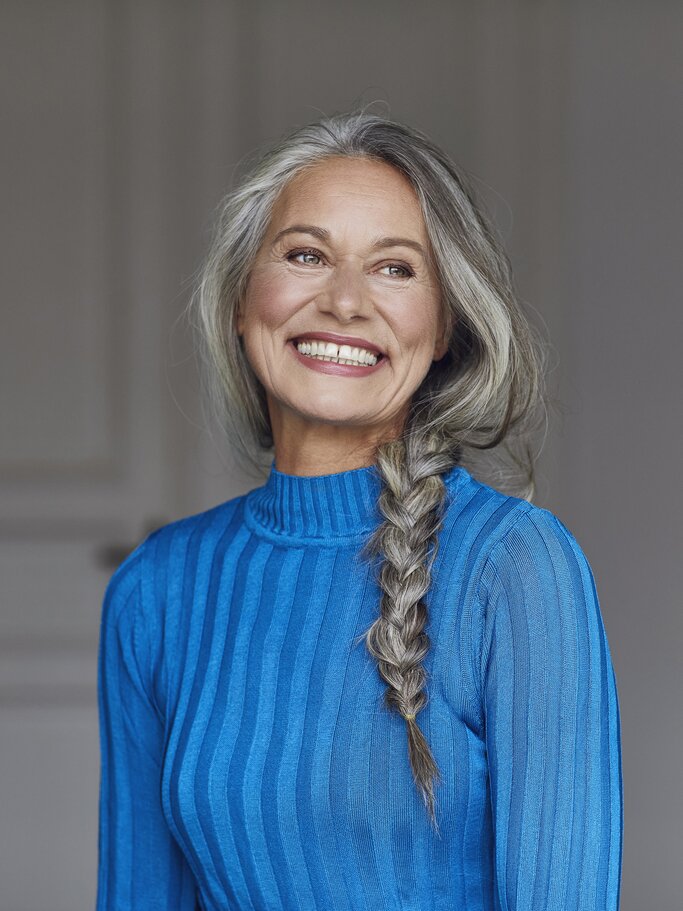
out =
column 411, row 501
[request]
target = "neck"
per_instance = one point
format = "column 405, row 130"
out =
column 307, row 464
column 310, row 448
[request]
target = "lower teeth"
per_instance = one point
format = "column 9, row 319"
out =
column 336, row 360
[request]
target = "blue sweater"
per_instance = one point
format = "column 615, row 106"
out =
column 248, row 761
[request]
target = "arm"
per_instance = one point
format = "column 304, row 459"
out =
column 140, row 865
column 552, row 724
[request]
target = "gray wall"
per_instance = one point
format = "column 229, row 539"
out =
column 568, row 115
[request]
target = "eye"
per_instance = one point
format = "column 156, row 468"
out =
column 407, row 271
column 291, row 256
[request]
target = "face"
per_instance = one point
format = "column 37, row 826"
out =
column 345, row 253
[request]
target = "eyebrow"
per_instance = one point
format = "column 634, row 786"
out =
column 379, row 244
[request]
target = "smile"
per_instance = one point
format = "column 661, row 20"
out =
column 342, row 361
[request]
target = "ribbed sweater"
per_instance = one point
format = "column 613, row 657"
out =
column 248, row 760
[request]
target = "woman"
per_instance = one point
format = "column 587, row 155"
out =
column 373, row 682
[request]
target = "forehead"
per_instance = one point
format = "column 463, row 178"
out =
column 341, row 190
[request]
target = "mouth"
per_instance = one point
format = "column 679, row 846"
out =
column 379, row 355
column 362, row 364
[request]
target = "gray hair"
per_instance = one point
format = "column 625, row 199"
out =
column 485, row 392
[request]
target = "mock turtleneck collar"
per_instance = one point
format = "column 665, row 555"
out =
column 329, row 507
column 324, row 509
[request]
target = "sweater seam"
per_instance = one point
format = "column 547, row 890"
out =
column 148, row 677
column 297, row 541
column 483, row 601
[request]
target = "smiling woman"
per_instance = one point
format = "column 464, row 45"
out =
column 361, row 338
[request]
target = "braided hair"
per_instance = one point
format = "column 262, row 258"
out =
column 411, row 501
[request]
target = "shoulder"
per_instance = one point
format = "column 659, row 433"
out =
column 509, row 537
column 123, row 633
column 123, row 587
column 209, row 523
column 486, row 512
column 538, row 589
column 537, row 552
column 133, row 591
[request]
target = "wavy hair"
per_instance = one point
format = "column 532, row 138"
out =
column 486, row 391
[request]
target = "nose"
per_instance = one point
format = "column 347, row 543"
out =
column 345, row 293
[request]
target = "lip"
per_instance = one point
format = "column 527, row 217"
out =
column 351, row 340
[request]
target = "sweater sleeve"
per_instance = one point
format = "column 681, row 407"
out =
column 552, row 728
column 140, row 865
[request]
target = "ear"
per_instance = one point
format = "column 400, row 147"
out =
column 445, row 324
column 441, row 344
column 440, row 351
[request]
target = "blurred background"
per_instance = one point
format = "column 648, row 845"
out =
column 124, row 122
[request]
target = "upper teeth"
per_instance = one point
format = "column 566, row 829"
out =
column 343, row 354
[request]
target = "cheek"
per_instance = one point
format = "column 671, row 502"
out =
column 416, row 326
column 271, row 299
